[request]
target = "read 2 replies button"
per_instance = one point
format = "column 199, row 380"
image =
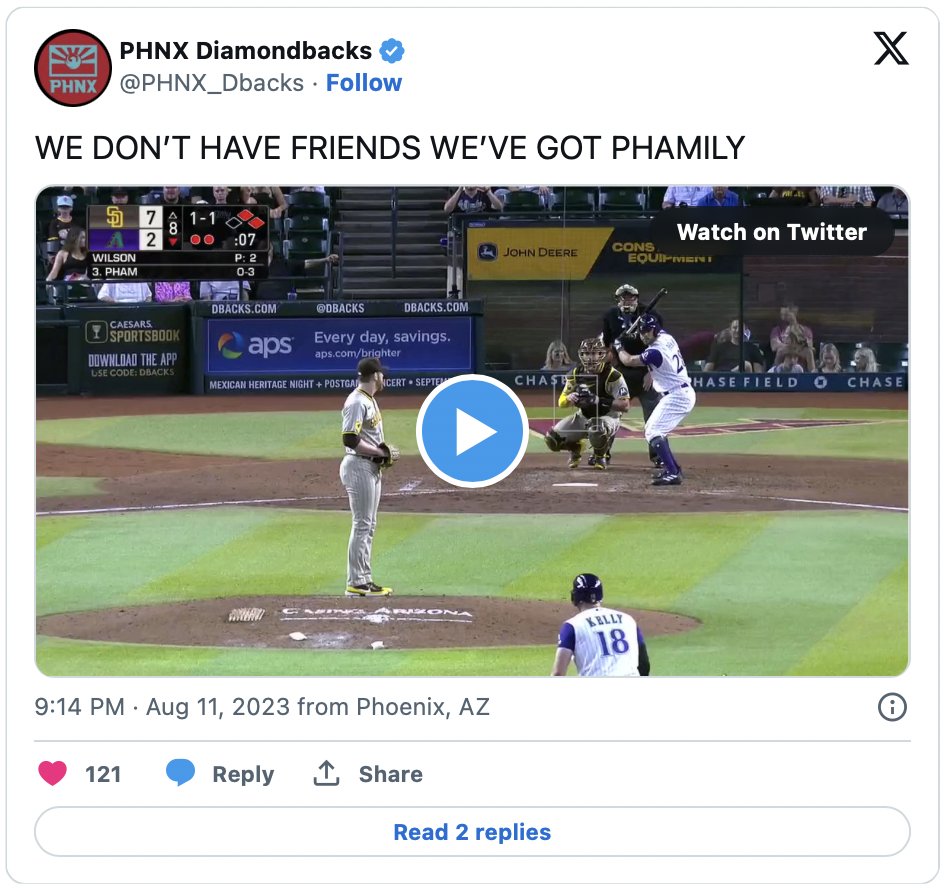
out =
column 472, row 431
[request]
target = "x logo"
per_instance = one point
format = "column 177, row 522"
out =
column 891, row 48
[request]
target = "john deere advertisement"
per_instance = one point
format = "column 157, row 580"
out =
column 549, row 250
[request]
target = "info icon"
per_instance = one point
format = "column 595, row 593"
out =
column 72, row 67
column 472, row 431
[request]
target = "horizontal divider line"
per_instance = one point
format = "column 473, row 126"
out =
column 477, row 741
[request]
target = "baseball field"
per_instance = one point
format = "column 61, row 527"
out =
column 785, row 552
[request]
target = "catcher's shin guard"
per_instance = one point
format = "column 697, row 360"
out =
column 554, row 441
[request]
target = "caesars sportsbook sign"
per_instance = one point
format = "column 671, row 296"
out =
column 513, row 250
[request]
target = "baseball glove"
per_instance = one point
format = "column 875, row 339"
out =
column 391, row 456
column 585, row 398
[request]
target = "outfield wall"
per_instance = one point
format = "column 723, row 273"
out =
column 313, row 347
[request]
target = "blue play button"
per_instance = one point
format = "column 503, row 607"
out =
column 472, row 431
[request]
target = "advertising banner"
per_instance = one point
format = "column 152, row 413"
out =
column 133, row 349
column 256, row 346
column 518, row 250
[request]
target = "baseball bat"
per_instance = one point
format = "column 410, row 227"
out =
column 652, row 305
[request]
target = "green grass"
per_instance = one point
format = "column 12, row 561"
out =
column 296, row 434
column 776, row 593
column 66, row 486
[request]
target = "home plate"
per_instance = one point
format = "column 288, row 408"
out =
column 575, row 484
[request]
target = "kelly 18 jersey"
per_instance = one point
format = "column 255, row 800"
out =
column 605, row 642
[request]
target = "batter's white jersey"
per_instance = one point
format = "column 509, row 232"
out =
column 664, row 360
column 605, row 642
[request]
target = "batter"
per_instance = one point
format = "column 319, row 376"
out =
column 366, row 457
column 663, row 358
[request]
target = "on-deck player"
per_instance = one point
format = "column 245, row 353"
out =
column 599, row 394
column 602, row 642
column 670, row 377
column 366, row 456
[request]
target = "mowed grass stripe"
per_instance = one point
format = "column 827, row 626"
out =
column 288, row 554
column 644, row 561
column 49, row 530
column 66, row 486
column 776, row 598
column 479, row 554
column 871, row 639
column 57, row 658
column 105, row 559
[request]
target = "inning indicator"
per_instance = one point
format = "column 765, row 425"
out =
column 215, row 242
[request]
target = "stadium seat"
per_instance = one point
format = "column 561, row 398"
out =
column 622, row 199
column 306, row 224
column 523, row 202
column 304, row 247
column 575, row 200
column 308, row 199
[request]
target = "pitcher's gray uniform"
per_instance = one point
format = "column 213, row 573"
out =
column 361, row 476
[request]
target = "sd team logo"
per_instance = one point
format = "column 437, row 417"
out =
column 231, row 345
column 72, row 67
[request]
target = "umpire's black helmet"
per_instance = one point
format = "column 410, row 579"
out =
column 586, row 588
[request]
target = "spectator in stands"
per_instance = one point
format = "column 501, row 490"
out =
column 270, row 196
column 895, row 204
column 172, row 292
column 557, row 358
column 224, row 290
column 864, row 361
column 808, row 193
column 279, row 284
column 245, row 195
column 684, row 195
column 473, row 199
column 125, row 292
column 72, row 262
column 789, row 364
column 790, row 333
column 220, row 194
column 725, row 352
column 719, row 196
column 170, row 194
column 311, row 188
column 59, row 227
column 829, row 361
column 120, row 196
column 846, row 196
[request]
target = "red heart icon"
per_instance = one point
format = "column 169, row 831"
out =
column 52, row 773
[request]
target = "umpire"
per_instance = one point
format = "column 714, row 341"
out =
column 616, row 322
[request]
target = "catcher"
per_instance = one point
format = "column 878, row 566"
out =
column 599, row 393
column 366, row 457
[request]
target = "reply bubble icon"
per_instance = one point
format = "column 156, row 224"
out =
column 180, row 771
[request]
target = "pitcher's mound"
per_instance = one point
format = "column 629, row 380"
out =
column 412, row 622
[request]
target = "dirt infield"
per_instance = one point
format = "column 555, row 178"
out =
column 341, row 623
column 142, row 480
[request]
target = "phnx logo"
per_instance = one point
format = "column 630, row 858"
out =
column 232, row 345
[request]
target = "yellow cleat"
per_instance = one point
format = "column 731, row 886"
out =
column 368, row 589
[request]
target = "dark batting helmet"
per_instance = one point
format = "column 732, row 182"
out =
column 650, row 323
column 586, row 588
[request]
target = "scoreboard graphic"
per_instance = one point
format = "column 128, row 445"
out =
column 181, row 242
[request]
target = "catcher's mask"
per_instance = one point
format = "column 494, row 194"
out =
column 586, row 588
column 626, row 296
column 593, row 355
